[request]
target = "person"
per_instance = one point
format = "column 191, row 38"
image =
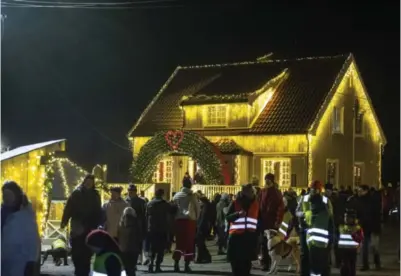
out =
column 139, row 205
column 58, row 251
column 130, row 239
column 213, row 216
column 203, row 231
column 158, row 223
column 221, row 223
column 271, row 214
column 243, row 216
column 84, row 209
column 114, row 210
column 187, row 213
column 316, row 221
column 107, row 254
column 173, row 210
column 350, row 236
column 338, row 215
column 20, row 242
column 144, row 197
column 367, row 214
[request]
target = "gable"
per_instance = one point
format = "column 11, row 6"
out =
column 291, row 109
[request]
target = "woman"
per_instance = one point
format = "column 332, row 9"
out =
column 187, row 214
column 20, row 242
column 243, row 214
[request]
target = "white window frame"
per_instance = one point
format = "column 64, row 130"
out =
column 337, row 162
column 337, row 127
column 166, row 178
column 284, row 181
column 207, row 122
column 361, row 165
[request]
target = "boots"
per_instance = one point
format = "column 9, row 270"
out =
column 176, row 266
column 187, row 269
column 158, row 269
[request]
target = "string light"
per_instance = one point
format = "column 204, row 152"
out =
column 63, row 178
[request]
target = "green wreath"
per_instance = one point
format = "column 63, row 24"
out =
column 179, row 142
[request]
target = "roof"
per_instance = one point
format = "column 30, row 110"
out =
column 25, row 149
column 292, row 108
column 229, row 146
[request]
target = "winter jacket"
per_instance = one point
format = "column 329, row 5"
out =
column 204, row 217
column 114, row 210
column 220, row 215
column 20, row 242
column 84, row 209
column 158, row 216
column 364, row 210
column 130, row 236
column 271, row 208
column 187, row 204
column 139, row 205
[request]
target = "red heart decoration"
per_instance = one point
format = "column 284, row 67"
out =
column 174, row 138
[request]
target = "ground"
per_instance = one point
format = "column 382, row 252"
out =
column 390, row 242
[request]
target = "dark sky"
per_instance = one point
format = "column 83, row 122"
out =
column 86, row 75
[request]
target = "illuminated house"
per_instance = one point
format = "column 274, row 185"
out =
column 301, row 119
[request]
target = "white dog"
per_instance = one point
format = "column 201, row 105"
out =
column 278, row 249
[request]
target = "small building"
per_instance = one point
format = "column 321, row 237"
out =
column 300, row 119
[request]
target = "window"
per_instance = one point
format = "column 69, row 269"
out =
column 164, row 172
column 358, row 174
column 359, row 124
column 281, row 168
column 338, row 120
column 332, row 172
column 216, row 115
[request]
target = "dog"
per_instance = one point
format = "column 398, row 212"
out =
column 295, row 253
column 278, row 249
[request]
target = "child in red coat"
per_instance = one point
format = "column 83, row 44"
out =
column 349, row 240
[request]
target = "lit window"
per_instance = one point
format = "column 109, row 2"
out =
column 216, row 115
column 338, row 120
column 332, row 172
column 281, row 170
column 359, row 124
column 164, row 172
column 358, row 175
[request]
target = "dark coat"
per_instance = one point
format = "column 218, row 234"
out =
column 364, row 211
column 139, row 205
column 84, row 209
column 158, row 216
column 204, row 217
column 220, row 216
column 130, row 236
column 271, row 208
column 241, row 246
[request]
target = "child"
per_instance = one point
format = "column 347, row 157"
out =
column 350, row 237
column 130, row 238
column 107, row 259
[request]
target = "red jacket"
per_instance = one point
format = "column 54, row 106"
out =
column 271, row 208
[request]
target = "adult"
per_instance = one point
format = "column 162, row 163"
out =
column 84, row 209
column 114, row 210
column 203, row 230
column 221, row 223
column 158, row 227
column 317, row 232
column 243, row 216
column 144, row 197
column 213, row 215
column 139, row 205
column 187, row 213
column 20, row 242
column 338, row 219
column 271, row 213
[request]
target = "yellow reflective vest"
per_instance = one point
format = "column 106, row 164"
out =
column 345, row 239
column 285, row 224
column 59, row 243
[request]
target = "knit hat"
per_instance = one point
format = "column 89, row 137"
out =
column 317, row 185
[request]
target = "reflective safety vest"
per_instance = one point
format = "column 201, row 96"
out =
column 59, row 243
column 99, row 266
column 284, row 224
column 247, row 223
column 317, row 235
column 346, row 240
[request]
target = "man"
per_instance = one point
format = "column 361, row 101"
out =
column 84, row 209
column 316, row 222
column 221, row 223
column 158, row 219
column 271, row 214
column 367, row 212
column 243, row 216
column 114, row 210
column 338, row 218
column 203, row 229
column 139, row 205
column 144, row 197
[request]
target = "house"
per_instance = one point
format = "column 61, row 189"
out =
column 300, row 119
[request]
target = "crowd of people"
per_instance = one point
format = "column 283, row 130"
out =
column 125, row 232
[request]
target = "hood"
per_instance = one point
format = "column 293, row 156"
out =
column 186, row 190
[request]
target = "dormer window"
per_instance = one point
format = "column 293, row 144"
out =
column 338, row 120
column 216, row 115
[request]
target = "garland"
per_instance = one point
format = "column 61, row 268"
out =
column 178, row 142
column 48, row 191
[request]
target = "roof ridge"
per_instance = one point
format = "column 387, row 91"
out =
column 227, row 64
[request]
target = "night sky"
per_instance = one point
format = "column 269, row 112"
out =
column 86, row 75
